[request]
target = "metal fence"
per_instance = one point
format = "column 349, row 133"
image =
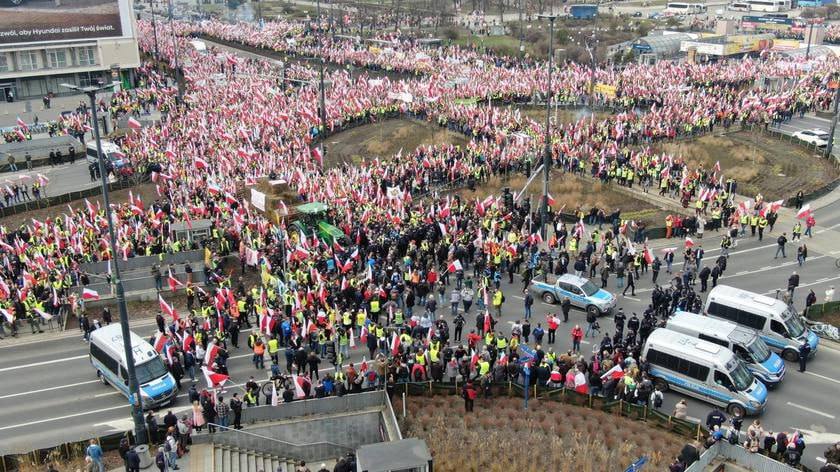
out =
column 684, row 428
column 725, row 451
column 818, row 311
column 46, row 202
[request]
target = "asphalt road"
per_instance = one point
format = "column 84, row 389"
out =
column 50, row 393
column 811, row 122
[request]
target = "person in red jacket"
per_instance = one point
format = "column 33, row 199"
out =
column 577, row 335
column 473, row 339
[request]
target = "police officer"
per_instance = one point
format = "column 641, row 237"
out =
column 804, row 352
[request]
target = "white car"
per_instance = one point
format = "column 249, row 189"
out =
column 816, row 137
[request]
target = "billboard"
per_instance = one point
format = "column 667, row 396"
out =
column 34, row 21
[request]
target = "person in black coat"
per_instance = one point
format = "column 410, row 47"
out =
column 132, row 461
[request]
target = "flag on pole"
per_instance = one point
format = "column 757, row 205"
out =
column 174, row 283
column 134, row 124
column 43, row 314
column 160, row 341
column 214, row 379
column 455, row 266
column 167, row 308
column 211, row 353
column 298, row 381
column 804, row 212
column 88, row 294
column 395, row 345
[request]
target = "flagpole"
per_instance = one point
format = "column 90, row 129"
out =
column 134, row 397
column 322, row 107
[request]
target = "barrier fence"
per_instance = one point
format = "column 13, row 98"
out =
column 46, row 202
column 684, row 428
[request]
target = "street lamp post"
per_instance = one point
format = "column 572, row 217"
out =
column 521, row 47
column 810, row 32
column 133, row 387
column 547, row 156
column 830, row 145
column 154, row 27
column 322, row 109
column 175, row 56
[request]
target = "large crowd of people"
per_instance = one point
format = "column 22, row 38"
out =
column 407, row 250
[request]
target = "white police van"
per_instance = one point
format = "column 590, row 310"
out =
column 777, row 324
column 747, row 345
column 107, row 355
column 703, row 370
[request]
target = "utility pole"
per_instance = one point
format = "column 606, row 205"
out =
column 175, row 57
column 830, row 145
column 547, row 156
column 322, row 109
column 154, row 29
column 135, row 398
column 521, row 47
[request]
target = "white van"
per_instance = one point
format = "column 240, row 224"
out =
column 747, row 345
column 107, row 355
column 113, row 154
column 777, row 324
column 703, row 370
column 738, row 6
column 683, row 8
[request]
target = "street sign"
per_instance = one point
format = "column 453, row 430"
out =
column 528, row 353
column 636, row 466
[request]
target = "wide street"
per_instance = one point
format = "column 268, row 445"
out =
column 51, row 395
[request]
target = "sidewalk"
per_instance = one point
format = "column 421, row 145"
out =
column 27, row 110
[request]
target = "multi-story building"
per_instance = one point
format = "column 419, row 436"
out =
column 44, row 43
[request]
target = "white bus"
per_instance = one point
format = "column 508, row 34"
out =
column 777, row 324
column 682, row 8
column 107, row 355
column 769, row 5
column 739, row 6
column 703, row 370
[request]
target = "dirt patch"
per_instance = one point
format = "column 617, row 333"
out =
column 570, row 191
column 777, row 169
column 111, row 459
column 384, row 139
column 558, row 114
column 497, row 436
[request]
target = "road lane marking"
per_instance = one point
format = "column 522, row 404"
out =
column 12, row 395
column 37, row 364
column 811, row 410
column 106, row 394
column 823, row 377
column 802, row 285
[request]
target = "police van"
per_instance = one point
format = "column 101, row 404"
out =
column 777, row 324
column 747, row 345
column 107, row 355
column 703, row 370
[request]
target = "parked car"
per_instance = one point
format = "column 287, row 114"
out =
column 814, row 136
column 581, row 292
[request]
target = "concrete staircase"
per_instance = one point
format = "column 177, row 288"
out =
column 222, row 458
